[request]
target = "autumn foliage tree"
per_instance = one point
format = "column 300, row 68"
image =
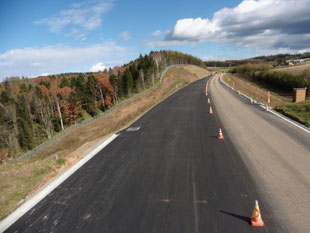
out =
column 33, row 110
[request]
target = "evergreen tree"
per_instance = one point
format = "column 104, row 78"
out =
column 64, row 83
column 127, row 82
column 25, row 128
column 135, row 75
column 23, row 87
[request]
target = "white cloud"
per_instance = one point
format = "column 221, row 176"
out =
column 100, row 66
column 125, row 36
column 79, row 19
column 56, row 59
column 262, row 24
column 156, row 33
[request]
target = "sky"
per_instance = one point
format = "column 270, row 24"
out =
column 50, row 37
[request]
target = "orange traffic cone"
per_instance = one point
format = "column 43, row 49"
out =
column 251, row 100
column 239, row 92
column 256, row 219
column 210, row 111
column 220, row 134
column 209, row 102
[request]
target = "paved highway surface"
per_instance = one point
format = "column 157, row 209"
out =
column 276, row 152
column 172, row 175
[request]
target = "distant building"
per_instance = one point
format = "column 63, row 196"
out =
column 289, row 63
column 297, row 61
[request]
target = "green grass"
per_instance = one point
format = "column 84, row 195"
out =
column 60, row 161
column 297, row 111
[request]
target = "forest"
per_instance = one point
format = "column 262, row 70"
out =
column 33, row 110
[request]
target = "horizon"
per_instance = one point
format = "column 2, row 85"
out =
column 40, row 38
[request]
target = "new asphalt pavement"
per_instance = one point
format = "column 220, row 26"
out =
column 171, row 175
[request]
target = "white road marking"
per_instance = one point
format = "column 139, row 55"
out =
column 20, row 211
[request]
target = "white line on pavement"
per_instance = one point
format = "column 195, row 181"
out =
column 20, row 211
column 270, row 110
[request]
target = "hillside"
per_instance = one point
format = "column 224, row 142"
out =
column 296, row 69
column 35, row 110
column 273, row 60
column 19, row 181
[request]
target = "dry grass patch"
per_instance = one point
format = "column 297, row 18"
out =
column 294, row 70
column 257, row 92
column 20, row 181
column 197, row 71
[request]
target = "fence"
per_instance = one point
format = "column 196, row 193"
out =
column 72, row 128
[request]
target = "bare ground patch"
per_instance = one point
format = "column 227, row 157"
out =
column 19, row 182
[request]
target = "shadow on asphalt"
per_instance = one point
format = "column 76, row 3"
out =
column 244, row 218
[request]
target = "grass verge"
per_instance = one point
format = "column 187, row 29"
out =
column 19, row 182
column 297, row 111
column 256, row 91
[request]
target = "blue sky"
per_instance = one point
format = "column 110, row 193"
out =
column 45, row 37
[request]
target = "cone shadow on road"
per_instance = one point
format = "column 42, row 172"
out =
column 244, row 218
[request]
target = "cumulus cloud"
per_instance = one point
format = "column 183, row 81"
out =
column 79, row 19
column 125, row 36
column 98, row 67
column 56, row 59
column 102, row 66
column 263, row 24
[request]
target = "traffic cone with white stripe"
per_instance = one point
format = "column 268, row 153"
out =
column 210, row 111
column 256, row 219
column 209, row 102
column 220, row 134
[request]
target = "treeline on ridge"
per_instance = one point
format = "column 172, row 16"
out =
column 282, row 81
column 273, row 60
column 34, row 110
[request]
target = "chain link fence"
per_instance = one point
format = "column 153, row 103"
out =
column 72, row 128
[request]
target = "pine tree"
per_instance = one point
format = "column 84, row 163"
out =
column 64, row 83
column 135, row 75
column 127, row 82
column 25, row 128
column 113, row 81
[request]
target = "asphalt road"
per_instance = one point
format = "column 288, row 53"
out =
column 172, row 175
column 277, row 154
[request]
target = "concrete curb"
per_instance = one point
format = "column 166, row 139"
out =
column 297, row 124
column 20, row 211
